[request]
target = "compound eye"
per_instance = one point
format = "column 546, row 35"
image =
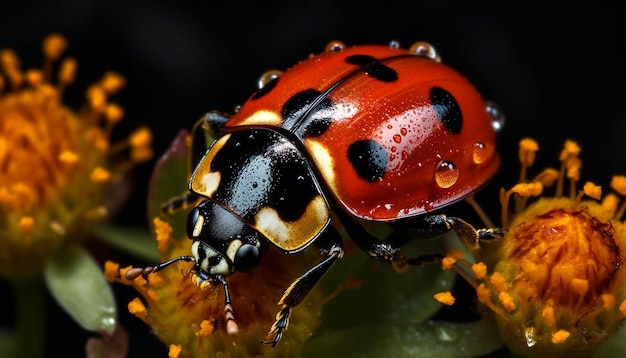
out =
column 247, row 258
column 194, row 224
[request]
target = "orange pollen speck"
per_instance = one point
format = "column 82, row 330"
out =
column 100, row 175
column 206, row 328
column 592, row 190
column 622, row 307
column 26, row 224
column 445, row 297
column 447, row 262
column 111, row 270
column 163, row 232
column 174, row 350
column 498, row 281
column 618, row 183
column 548, row 316
column 137, row 308
column 507, row 300
column 480, row 270
column 54, row 45
column 608, row 301
column 560, row 336
column 527, row 149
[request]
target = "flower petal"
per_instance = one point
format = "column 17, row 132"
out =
column 169, row 179
column 78, row 285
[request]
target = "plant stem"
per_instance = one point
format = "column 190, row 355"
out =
column 30, row 299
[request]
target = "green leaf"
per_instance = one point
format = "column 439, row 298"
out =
column 135, row 241
column 78, row 285
column 169, row 180
column 8, row 342
column 614, row 347
column 430, row 339
column 390, row 297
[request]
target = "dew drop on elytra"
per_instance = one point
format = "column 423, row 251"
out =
column 446, row 174
column 480, row 153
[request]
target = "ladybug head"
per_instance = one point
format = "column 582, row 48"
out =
column 222, row 242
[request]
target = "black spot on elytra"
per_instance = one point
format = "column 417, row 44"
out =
column 360, row 60
column 369, row 159
column 301, row 117
column 373, row 68
column 266, row 89
column 447, row 109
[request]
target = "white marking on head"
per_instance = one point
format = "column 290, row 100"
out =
column 222, row 267
column 232, row 248
column 197, row 227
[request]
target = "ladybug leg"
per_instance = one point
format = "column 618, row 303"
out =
column 204, row 131
column 470, row 236
column 184, row 201
column 374, row 247
column 431, row 226
column 332, row 247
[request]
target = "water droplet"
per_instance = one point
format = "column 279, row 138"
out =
column 497, row 117
column 425, row 49
column 394, row 149
column 481, row 152
column 268, row 77
column 447, row 334
column 529, row 333
column 446, row 174
column 397, row 138
column 335, row 46
column 403, row 131
column 394, row 44
column 389, row 126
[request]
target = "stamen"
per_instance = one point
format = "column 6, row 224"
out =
column 479, row 211
column 67, row 74
column 527, row 149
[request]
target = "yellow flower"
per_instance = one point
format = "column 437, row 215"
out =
column 56, row 164
column 191, row 318
column 554, row 281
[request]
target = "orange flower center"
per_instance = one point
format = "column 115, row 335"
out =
column 38, row 146
column 565, row 256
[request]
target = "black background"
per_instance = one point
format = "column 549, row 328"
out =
column 557, row 73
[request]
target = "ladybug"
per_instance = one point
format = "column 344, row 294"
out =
column 356, row 134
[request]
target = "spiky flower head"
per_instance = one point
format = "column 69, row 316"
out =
column 554, row 282
column 56, row 164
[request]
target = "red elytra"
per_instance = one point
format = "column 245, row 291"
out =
column 433, row 157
